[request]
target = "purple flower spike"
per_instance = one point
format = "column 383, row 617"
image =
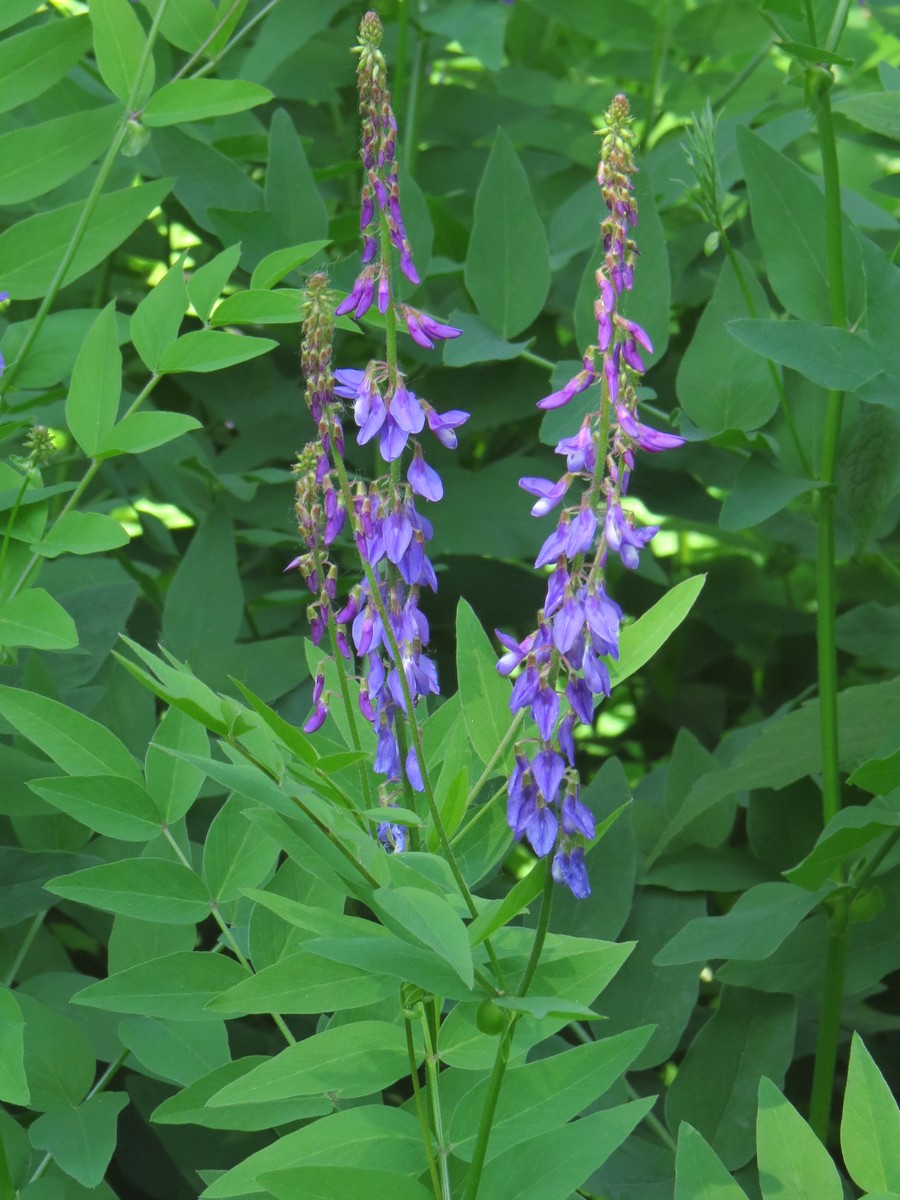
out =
column 424, row 480
column 611, row 371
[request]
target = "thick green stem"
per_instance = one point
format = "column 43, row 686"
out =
column 473, row 1179
column 432, row 1071
column 213, row 62
column 421, row 1111
column 207, row 41
column 90, row 204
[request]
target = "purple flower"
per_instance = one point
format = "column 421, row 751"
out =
column 550, row 493
column 424, row 480
column 424, row 330
column 548, row 768
column 569, row 868
column 541, row 830
column 392, row 837
column 359, row 301
column 655, row 441
column 442, row 425
column 578, row 383
column 577, row 817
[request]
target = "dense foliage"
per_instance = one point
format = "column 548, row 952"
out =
column 212, row 975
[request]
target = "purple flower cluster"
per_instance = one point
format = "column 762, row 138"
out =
column 562, row 672
column 380, row 198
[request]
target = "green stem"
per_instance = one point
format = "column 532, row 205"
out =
column 90, row 204
column 742, row 76
column 657, row 69
column 29, row 937
column 829, row 1020
column 473, row 1179
column 508, row 738
column 410, row 144
column 421, row 1111
column 800, row 449
column 860, row 879
column 432, row 1072
column 228, row 935
column 83, row 485
column 538, row 360
column 214, row 61
column 208, row 40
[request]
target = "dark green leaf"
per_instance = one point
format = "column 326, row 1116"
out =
column 292, row 196
column 38, row 158
column 337, row 1182
column 305, row 983
column 81, row 1140
column 115, row 807
column 484, row 694
column 153, row 889
column 176, row 987
column 832, row 358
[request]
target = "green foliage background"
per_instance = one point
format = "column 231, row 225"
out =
column 162, row 350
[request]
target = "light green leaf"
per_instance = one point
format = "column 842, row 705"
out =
column 31, row 62
column 78, row 744
column 832, row 358
column 843, row 837
column 13, row 1084
column 870, row 1125
column 273, row 268
column 119, row 46
column 484, row 694
column 338, row 1182
column 93, row 399
column 508, row 262
column 34, row 618
column 189, row 1107
column 199, row 99
column 176, row 987
column 237, row 853
column 344, row 1061
column 430, row 921
column 115, row 807
column 140, row 431
column 639, row 641
column 879, row 111
column 207, row 350
column 753, row 929
column 81, row 533
column 172, row 781
column 305, row 983
column 183, row 1051
column 153, row 889
column 38, row 158
column 700, row 1172
column 206, row 283
column 31, row 249
column 260, row 308
column 81, row 1140
column 157, row 319
column 186, row 24
column 792, row 1160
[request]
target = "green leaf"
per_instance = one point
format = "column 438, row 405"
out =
column 237, row 853
column 59, row 1062
column 720, row 383
column 183, row 1051
column 879, row 111
column 848, row 832
column 81, row 1140
column 484, row 694
column 172, row 781
column 754, row 928
column 273, row 268
column 157, row 319
column 344, row 1061
column 93, row 399
column 501, row 912
column 260, row 308
column 338, row 1182
column 30, row 250
column 305, row 983
column 81, row 533
column 119, row 45
column 792, row 1160
column 199, row 99
column 207, row 350
column 553, row 1165
column 758, row 492
column 389, row 955
column 34, row 618
column 287, row 734
column 187, row 24
column 292, row 196
column 478, row 343
column 153, row 889
column 78, row 744
column 639, row 641
column 700, row 1172
column 832, row 358
column 508, row 262
column 870, row 1125
column 430, row 921
column 354, row 1137
column 788, row 213
column 116, row 807
column 140, row 431
column 31, row 62
column 750, row 1035
column 878, row 775
column 206, row 283
column 176, row 987
column 38, row 158
column 13, row 1084
column 22, row 875
column 189, row 1107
